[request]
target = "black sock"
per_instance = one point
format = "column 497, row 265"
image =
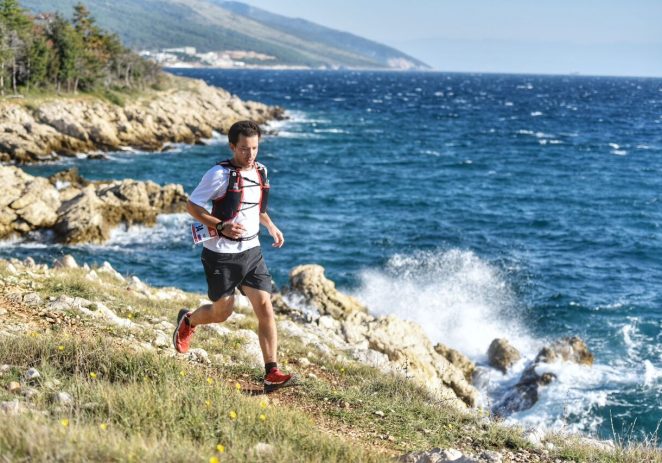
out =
column 269, row 366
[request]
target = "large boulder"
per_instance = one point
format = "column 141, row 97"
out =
column 81, row 219
column 502, row 355
column 27, row 203
column 309, row 281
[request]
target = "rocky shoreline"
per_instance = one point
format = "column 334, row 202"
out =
column 76, row 210
column 310, row 310
column 188, row 112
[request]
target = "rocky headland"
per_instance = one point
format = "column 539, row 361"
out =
column 76, row 210
column 343, row 356
column 188, row 111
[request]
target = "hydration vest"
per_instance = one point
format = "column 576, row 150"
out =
column 232, row 202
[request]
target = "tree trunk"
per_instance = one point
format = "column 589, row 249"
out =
column 13, row 75
column 76, row 85
column 2, row 78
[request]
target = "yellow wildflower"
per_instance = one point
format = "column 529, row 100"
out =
column 237, row 386
column 210, row 380
column 232, row 415
column 182, row 373
column 103, row 426
column 263, row 404
column 263, row 417
column 64, row 422
column 208, row 403
column 60, row 348
column 93, row 375
column 220, row 448
column 214, row 460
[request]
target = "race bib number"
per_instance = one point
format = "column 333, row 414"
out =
column 202, row 233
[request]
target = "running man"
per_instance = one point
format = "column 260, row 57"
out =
column 238, row 190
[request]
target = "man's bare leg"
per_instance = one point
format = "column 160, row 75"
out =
column 216, row 312
column 266, row 332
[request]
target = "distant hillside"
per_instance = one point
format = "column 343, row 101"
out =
column 213, row 25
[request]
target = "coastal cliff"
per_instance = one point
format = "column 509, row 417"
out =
column 188, row 111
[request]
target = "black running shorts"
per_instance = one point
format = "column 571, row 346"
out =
column 227, row 271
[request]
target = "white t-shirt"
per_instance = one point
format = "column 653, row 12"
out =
column 214, row 185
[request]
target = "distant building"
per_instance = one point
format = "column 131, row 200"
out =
column 186, row 50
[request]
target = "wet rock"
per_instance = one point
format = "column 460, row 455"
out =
column 502, row 355
column 490, row 456
column 525, row 393
column 568, row 349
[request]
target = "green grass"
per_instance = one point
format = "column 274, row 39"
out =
column 152, row 408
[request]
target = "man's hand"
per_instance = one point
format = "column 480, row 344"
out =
column 233, row 230
column 277, row 235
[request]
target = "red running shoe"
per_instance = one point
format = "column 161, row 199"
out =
column 277, row 379
column 184, row 332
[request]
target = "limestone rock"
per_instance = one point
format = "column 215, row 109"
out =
column 66, row 261
column 310, row 282
column 27, row 203
column 161, row 339
column 387, row 343
column 32, row 375
column 81, row 219
column 188, row 112
column 437, row 455
column 457, row 359
column 502, row 355
column 63, row 398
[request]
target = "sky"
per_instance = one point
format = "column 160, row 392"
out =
column 593, row 37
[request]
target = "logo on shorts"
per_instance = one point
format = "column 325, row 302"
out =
column 217, row 272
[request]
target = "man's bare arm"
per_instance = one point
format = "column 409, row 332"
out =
column 273, row 230
column 202, row 215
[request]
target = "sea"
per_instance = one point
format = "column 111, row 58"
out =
column 524, row 207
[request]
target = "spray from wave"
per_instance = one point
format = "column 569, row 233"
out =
column 459, row 299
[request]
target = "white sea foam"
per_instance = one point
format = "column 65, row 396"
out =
column 619, row 152
column 536, row 114
column 170, row 228
column 458, row 299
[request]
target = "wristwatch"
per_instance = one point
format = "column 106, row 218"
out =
column 219, row 227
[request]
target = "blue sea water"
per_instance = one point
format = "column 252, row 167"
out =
column 480, row 206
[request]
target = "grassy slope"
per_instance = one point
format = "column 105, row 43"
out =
column 132, row 404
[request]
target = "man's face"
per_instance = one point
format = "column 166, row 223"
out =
column 245, row 151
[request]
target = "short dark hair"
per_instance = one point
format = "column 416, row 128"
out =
column 245, row 128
